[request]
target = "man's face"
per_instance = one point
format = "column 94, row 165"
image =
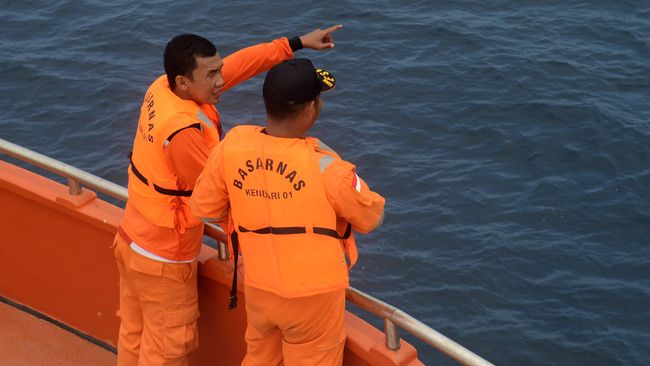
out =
column 207, row 81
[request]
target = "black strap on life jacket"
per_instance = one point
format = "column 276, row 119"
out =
column 165, row 191
column 136, row 171
column 195, row 125
column 276, row 231
column 234, row 239
column 298, row 230
column 333, row 233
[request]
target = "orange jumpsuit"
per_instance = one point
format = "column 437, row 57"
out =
column 158, row 299
column 289, row 201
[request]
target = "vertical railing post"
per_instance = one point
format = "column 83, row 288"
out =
column 74, row 187
column 392, row 338
column 224, row 254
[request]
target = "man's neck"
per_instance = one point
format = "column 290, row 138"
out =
column 285, row 129
column 181, row 94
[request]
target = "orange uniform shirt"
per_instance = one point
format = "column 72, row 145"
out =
column 187, row 153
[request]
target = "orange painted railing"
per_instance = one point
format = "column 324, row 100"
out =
column 55, row 258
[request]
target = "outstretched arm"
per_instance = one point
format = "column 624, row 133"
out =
column 250, row 61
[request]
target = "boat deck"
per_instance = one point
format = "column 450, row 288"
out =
column 26, row 340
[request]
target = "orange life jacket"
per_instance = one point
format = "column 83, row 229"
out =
column 152, row 185
column 284, row 223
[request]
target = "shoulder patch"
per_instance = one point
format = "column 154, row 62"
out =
column 356, row 182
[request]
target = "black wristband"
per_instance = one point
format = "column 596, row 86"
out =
column 295, row 43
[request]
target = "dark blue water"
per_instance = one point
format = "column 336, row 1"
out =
column 511, row 139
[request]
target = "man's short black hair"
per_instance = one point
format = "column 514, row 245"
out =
column 281, row 110
column 180, row 55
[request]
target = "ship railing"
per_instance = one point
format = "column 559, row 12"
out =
column 393, row 317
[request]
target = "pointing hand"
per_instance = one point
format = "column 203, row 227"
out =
column 320, row 39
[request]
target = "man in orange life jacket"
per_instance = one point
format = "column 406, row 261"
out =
column 292, row 203
column 159, row 239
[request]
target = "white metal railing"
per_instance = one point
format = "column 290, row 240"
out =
column 393, row 317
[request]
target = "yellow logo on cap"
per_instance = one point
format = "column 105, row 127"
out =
column 326, row 77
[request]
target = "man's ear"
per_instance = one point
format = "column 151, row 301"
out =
column 309, row 109
column 313, row 112
column 182, row 82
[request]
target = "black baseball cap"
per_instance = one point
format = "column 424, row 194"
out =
column 296, row 81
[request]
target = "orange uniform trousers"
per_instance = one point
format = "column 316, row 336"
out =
column 298, row 331
column 158, row 309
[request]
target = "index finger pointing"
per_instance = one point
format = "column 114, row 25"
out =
column 333, row 28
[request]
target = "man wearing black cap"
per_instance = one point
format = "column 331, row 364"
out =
column 292, row 204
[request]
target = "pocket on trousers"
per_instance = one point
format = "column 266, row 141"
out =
column 181, row 333
column 181, row 272
column 148, row 266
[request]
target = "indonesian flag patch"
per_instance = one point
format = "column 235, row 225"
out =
column 356, row 182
